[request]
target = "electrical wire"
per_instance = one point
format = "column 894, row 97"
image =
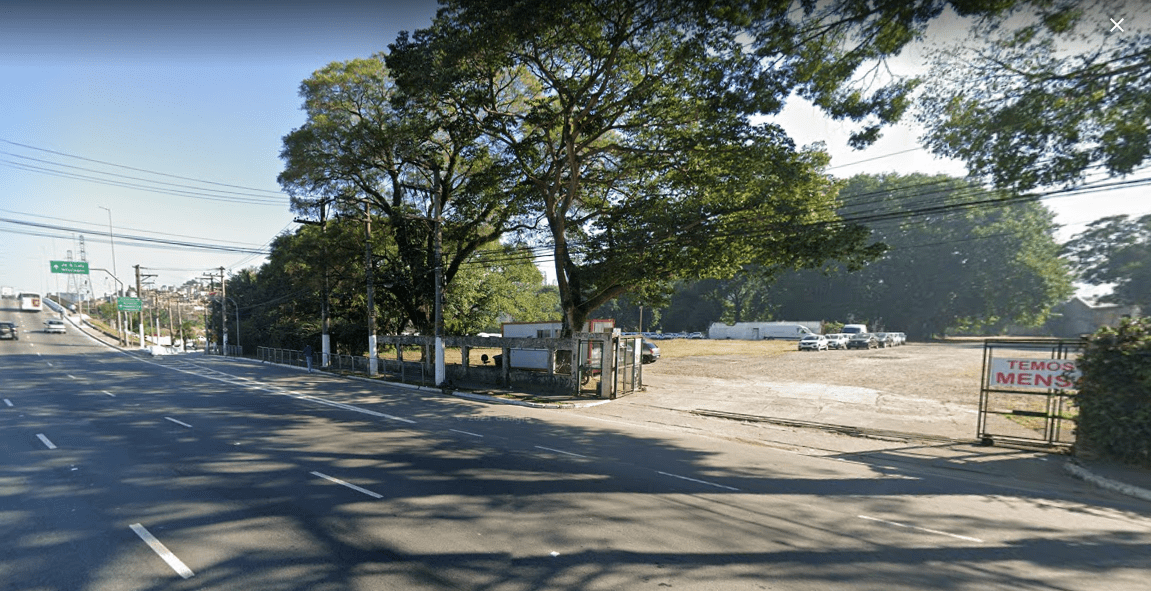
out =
column 65, row 154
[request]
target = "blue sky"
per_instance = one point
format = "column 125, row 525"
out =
column 203, row 92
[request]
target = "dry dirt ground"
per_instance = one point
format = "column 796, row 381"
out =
column 928, row 388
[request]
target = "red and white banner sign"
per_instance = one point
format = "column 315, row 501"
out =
column 1040, row 374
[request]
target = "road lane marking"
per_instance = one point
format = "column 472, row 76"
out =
column 162, row 551
column 923, row 529
column 349, row 485
column 233, row 380
column 7, row 402
column 108, row 393
column 45, row 441
column 466, row 432
column 560, row 451
column 71, row 376
column 181, row 423
column 346, row 406
column 699, row 481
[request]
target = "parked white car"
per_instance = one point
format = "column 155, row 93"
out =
column 813, row 342
column 837, row 340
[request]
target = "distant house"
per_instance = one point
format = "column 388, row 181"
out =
column 1077, row 317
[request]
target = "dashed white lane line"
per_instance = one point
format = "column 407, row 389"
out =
column 923, row 529
column 45, row 441
column 466, row 432
column 559, row 451
column 349, row 485
column 345, row 406
column 7, row 402
column 162, row 551
column 699, row 481
column 235, row 381
column 108, row 393
column 181, row 423
column 71, row 376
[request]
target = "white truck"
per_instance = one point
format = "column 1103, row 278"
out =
column 7, row 292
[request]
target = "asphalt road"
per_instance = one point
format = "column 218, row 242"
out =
column 128, row 472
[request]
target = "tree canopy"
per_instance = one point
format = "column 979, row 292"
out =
column 958, row 258
column 1045, row 102
column 415, row 162
column 1116, row 250
column 629, row 126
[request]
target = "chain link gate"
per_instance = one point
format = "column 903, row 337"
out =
column 1027, row 392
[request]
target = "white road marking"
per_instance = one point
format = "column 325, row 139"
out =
column 45, row 441
column 346, row 406
column 7, row 402
column 230, row 379
column 699, row 481
column 466, row 432
column 349, row 485
column 559, row 451
column 48, row 362
column 162, row 551
column 71, row 376
column 108, row 393
column 923, row 529
column 181, row 423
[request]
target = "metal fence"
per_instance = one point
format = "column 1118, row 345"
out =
column 1031, row 383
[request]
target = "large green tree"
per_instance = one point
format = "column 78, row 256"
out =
column 630, row 125
column 1046, row 98
column 408, row 162
column 1116, row 250
column 960, row 256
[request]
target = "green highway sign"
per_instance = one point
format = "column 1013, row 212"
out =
column 73, row 267
column 129, row 304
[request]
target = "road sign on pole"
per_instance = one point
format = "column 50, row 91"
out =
column 72, row 267
column 129, row 304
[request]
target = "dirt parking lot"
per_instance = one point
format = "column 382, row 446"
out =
column 930, row 388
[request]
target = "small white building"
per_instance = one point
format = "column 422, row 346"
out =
column 538, row 358
column 758, row 331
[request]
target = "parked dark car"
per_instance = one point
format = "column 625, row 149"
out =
column 863, row 340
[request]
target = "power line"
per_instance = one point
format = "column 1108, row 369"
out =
column 184, row 178
column 143, row 240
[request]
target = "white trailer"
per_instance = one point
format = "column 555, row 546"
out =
column 757, row 331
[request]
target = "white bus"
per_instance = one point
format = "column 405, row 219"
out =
column 30, row 302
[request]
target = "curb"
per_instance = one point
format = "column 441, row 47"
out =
column 1078, row 471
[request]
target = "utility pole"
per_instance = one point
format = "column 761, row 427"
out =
column 224, row 310
column 325, row 303
column 373, row 362
column 171, row 329
column 140, row 296
column 441, row 371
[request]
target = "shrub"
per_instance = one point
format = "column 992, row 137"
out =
column 1115, row 393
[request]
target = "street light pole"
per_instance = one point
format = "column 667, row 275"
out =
column 112, row 242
